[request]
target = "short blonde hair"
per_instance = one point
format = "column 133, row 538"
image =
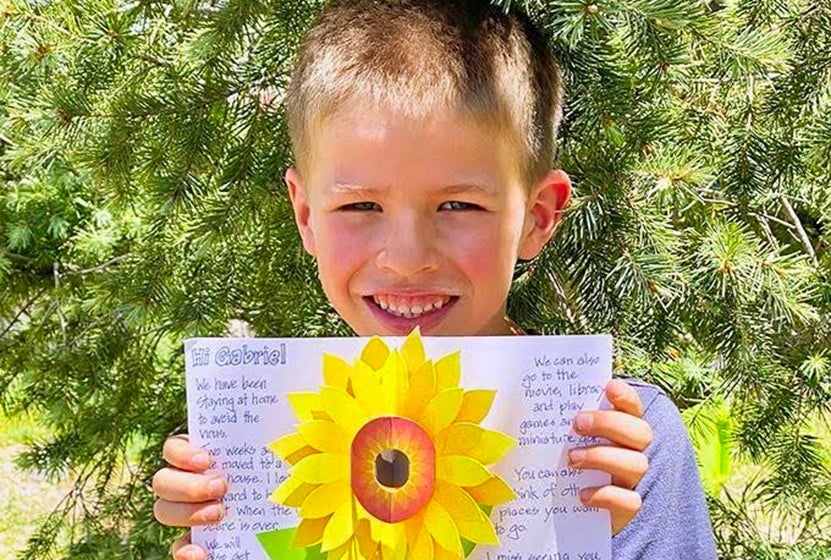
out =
column 422, row 56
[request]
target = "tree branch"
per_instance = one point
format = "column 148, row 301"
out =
column 99, row 268
column 17, row 257
column 21, row 311
column 56, row 271
column 803, row 236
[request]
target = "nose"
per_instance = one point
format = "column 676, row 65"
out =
column 409, row 246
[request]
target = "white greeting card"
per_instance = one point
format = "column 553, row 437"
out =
column 434, row 447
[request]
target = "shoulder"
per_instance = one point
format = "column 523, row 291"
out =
column 670, row 441
column 673, row 521
column 661, row 414
column 659, row 410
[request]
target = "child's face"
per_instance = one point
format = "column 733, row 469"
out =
column 419, row 223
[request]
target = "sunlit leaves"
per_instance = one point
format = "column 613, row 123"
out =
column 141, row 152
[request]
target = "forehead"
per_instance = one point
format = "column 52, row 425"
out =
column 378, row 147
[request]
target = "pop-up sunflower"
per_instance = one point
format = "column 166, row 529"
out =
column 389, row 460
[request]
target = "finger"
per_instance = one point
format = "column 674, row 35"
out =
column 181, row 486
column 180, row 543
column 618, row 427
column 182, row 454
column 183, row 550
column 624, row 397
column 626, row 466
column 177, row 514
column 622, row 504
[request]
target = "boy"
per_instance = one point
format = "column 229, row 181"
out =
column 423, row 135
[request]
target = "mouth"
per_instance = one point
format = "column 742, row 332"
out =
column 410, row 307
column 401, row 312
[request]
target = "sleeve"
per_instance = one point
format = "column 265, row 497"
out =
column 673, row 522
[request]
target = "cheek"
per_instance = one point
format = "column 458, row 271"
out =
column 343, row 247
column 484, row 248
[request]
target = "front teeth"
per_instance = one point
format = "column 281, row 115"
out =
column 401, row 309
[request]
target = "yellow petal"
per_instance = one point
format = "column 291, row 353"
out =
column 375, row 353
column 480, row 530
column 292, row 492
column 491, row 447
column 362, row 513
column 287, row 445
column 393, row 541
column 441, row 410
column 384, row 533
column 441, row 554
column 456, row 501
column 326, row 499
column 471, row 521
column 460, row 470
column 422, row 546
column 366, row 385
column 492, row 492
column 442, row 527
column 448, row 371
column 343, row 552
column 458, row 439
column 321, row 468
column 413, row 350
column 422, row 388
column 339, row 528
column 309, row 532
column 321, row 415
column 398, row 551
column 394, row 381
column 475, row 405
column 343, row 409
column 325, row 436
column 366, row 547
column 303, row 404
column 300, row 454
column 335, row 371
column 413, row 526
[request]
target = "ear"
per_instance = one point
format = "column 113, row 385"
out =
column 545, row 207
column 302, row 210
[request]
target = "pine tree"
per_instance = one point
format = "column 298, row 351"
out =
column 142, row 147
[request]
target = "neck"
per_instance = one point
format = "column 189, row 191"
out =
column 513, row 327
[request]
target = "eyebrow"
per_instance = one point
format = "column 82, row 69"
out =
column 348, row 188
column 457, row 188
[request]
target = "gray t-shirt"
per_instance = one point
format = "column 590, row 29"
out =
column 673, row 522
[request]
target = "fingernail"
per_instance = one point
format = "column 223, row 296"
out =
column 586, row 494
column 613, row 389
column 576, row 456
column 214, row 513
column 217, row 487
column 583, row 422
column 201, row 460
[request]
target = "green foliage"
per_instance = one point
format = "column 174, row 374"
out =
column 711, row 430
column 142, row 147
column 277, row 544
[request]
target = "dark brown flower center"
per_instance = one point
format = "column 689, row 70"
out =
column 392, row 468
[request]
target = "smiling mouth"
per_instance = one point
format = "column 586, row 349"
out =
column 411, row 307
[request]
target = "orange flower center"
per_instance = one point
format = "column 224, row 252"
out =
column 393, row 468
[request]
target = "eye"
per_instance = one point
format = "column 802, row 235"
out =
column 361, row 207
column 458, row 205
